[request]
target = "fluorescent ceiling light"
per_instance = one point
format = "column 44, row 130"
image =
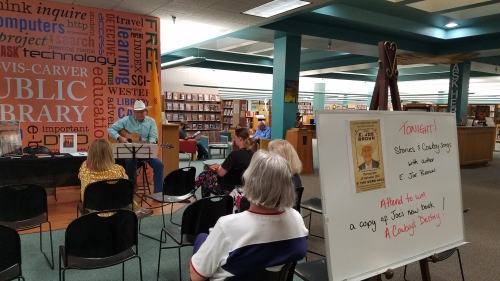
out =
column 451, row 25
column 275, row 7
column 181, row 62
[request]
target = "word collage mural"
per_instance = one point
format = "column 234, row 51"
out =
column 72, row 69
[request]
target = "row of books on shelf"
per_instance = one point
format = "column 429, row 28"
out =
column 192, row 117
column 228, row 112
column 192, row 107
column 194, row 97
column 227, row 120
column 346, row 106
column 202, row 126
column 228, row 103
column 305, row 106
column 226, row 127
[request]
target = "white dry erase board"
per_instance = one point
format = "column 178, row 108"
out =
column 404, row 205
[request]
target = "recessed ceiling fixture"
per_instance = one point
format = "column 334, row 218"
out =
column 451, row 25
column 275, row 7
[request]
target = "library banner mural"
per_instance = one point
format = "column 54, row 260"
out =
column 72, row 69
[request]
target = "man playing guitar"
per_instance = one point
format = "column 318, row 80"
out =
column 146, row 127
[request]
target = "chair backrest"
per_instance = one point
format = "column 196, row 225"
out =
column 227, row 134
column 22, row 202
column 285, row 274
column 214, row 137
column 231, row 179
column 108, row 195
column 100, row 236
column 187, row 146
column 180, row 182
column 10, row 248
column 202, row 214
column 298, row 199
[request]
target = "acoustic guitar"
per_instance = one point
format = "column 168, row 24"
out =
column 136, row 138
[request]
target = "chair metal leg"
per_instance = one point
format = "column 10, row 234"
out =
column 171, row 214
column 404, row 274
column 51, row 265
column 60, row 268
column 180, row 267
column 460, row 262
column 123, row 271
column 159, row 254
column 140, row 266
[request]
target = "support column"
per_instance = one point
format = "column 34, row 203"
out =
column 458, row 96
column 319, row 99
column 286, row 67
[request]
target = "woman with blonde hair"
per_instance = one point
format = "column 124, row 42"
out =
column 221, row 179
column 286, row 150
column 269, row 234
column 100, row 165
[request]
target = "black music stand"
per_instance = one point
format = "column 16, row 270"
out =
column 135, row 151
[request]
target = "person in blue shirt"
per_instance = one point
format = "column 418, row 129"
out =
column 263, row 132
column 145, row 126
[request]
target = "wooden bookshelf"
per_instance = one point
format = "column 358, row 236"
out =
column 202, row 111
column 233, row 113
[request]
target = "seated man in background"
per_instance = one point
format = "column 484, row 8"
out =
column 263, row 132
column 202, row 152
column 145, row 126
column 268, row 235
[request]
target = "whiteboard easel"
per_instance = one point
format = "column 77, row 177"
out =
column 357, row 249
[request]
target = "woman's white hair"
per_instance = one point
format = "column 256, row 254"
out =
column 286, row 150
column 268, row 181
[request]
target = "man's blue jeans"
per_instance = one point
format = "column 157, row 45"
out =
column 157, row 165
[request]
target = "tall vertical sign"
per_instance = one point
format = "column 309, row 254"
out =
column 72, row 69
column 458, row 95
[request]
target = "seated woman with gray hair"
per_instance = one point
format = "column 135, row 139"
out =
column 266, row 236
column 284, row 149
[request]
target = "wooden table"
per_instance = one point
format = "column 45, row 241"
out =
column 476, row 144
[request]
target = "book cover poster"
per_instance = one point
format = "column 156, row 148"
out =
column 291, row 91
column 68, row 143
column 366, row 155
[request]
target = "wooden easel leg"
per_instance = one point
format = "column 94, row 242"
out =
column 375, row 97
column 424, row 270
column 396, row 102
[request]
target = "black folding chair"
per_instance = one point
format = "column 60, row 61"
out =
column 285, row 274
column 312, row 270
column 10, row 254
column 313, row 205
column 298, row 191
column 107, row 195
column 443, row 256
column 197, row 218
column 98, row 240
column 24, row 207
column 232, row 178
column 178, row 187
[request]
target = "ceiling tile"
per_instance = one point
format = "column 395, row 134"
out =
column 439, row 5
column 148, row 3
column 181, row 7
column 233, row 6
column 202, row 3
column 167, row 15
column 475, row 12
column 134, row 8
column 108, row 5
